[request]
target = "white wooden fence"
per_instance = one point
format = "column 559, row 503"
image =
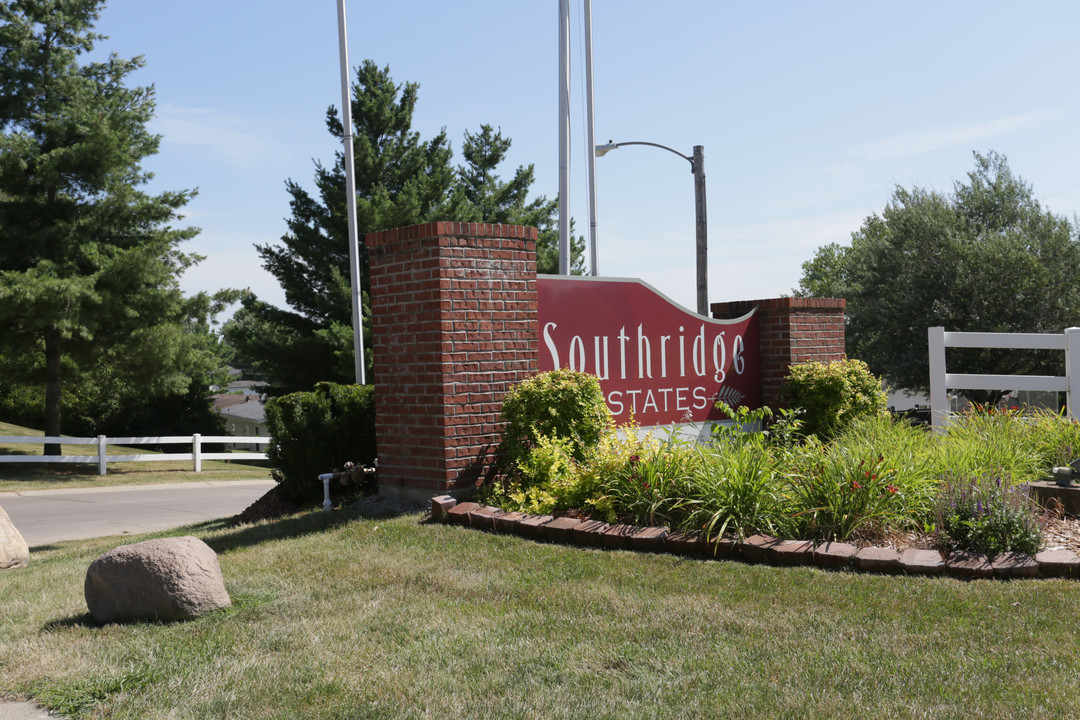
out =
column 941, row 381
column 102, row 457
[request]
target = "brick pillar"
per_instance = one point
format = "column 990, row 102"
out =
column 793, row 330
column 454, row 325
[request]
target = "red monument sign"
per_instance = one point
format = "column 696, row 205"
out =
column 655, row 359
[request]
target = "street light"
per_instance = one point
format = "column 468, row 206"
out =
column 697, row 166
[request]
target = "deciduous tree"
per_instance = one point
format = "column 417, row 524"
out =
column 987, row 258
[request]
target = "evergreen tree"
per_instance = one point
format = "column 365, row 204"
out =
column 88, row 262
column 400, row 180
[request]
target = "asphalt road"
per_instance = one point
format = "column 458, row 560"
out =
column 49, row 516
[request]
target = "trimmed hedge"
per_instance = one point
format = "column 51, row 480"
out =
column 317, row 432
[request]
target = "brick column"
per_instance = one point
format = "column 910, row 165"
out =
column 793, row 330
column 454, row 325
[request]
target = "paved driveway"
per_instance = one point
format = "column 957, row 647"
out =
column 48, row 516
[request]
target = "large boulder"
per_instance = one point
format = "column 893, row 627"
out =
column 175, row 578
column 13, row 550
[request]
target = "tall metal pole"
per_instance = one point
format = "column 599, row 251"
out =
column 564, row 137
column 350, row 194
column 591, row 121
column 697, row 167
column 702, row 231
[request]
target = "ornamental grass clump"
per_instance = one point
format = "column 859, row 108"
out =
column 843, row 495
column 988, row 514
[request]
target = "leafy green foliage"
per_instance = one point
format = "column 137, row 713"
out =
column 561, row 404
column 877, row 477
column 987, row 258
column 837, row 497
column 88, row 262
column 988, row 514
column 401, row 180
column 833, row 395
column 317, row 432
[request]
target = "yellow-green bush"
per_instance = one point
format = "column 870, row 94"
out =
column 833, row 395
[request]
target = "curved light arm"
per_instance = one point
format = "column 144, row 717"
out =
column 602, row 150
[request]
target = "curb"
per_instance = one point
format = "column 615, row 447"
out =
column 756, row 548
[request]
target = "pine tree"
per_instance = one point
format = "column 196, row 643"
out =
column 400, row 180
column 88, row 262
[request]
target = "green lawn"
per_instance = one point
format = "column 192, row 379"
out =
column 47, row 476
column 340, row 617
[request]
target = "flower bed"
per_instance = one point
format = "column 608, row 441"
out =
column 756, row 548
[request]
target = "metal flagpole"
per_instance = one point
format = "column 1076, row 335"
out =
column 564, row 137
column 350, row 193
column 594, row 270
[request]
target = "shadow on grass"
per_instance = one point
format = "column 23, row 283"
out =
column 82, row 620
column 46, row 471
column 285, row 528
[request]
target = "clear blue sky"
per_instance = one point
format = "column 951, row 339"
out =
column 810, row 113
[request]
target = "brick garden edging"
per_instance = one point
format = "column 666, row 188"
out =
column 757, row 548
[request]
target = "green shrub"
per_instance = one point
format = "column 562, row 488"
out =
column 833, row 395
column 319, row 431
column 989, row 515
column 560, row 404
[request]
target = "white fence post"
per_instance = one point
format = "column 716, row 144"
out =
column 101, row 455
column 196, row 451
column 939, row 395
column 1072, row 372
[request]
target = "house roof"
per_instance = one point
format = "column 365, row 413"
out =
column 224, row 400
column 253, row 409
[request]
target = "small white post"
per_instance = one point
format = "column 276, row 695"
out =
column 1072, row 372
column 101, row 455
column 196, row 451
column 327, row 506
column 939, row 396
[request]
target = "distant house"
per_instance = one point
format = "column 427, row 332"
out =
column 244, row 417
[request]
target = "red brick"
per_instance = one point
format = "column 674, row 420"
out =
column 969, row 565
column 756, row 548
column 922, row 562
column 560, row 530
column 508, row 522
column 1015, row 565
column 877, row 559
column 648, row 539
column 792, row 552
column 618, row 536
column 683, row 543
column 531, row 525
column 1058, row 563
column 459, row 514
column 590, row 532
column 834, row 554
column 483, row 518
column 440, row 506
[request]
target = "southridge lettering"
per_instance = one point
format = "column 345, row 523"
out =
column 655, row 359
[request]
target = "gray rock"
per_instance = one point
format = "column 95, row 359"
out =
column 166, row 579
column 13, row 550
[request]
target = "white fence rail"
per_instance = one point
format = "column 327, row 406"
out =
column 102, row 458
column 941, row 381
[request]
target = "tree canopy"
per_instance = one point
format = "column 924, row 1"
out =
column 987, row 258
column 401, row 179
column 89, row 263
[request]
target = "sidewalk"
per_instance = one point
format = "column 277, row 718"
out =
column 49, row 516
